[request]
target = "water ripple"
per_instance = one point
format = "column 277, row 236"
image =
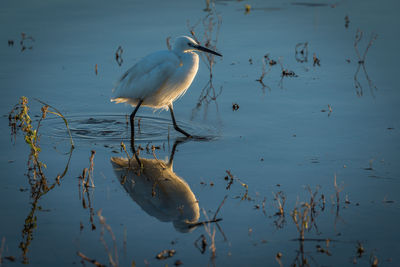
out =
column 109, row 128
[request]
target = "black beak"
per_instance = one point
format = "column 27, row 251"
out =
column 202, row 48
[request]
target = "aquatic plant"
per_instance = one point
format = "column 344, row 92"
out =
column 20, row 120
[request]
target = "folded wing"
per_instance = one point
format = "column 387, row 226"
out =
column 145, row 79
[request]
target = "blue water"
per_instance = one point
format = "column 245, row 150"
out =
column 282, row 138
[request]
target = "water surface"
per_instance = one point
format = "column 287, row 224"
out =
column 282, row 137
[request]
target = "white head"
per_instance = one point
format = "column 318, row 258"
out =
column 185, row 44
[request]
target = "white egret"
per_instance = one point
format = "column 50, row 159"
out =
column 160, row 78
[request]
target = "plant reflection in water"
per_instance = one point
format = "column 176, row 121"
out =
column 210, row 25
column 40, row 185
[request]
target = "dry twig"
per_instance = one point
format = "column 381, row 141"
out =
column 112, row 257
column 93, row 261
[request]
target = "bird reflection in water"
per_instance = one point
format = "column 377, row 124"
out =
column 158, row 190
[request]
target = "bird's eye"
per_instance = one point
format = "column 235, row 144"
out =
column 189, row 44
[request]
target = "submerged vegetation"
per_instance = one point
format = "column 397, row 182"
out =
column 40, row 185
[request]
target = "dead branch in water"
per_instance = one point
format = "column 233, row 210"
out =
column 301, row 52
column 93, row 261
column 361, row 63
column 285, row 73
column 84, row 178
column 112, row 257
column 211, row 235
column 279, row 202
column 231, row 179
column 266, row 60
column 211, row 24
column 59, row 114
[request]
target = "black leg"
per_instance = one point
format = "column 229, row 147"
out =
column 132, row 119
column 174, row 122
column 176, row 143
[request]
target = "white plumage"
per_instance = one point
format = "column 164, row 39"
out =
column 160, row 78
